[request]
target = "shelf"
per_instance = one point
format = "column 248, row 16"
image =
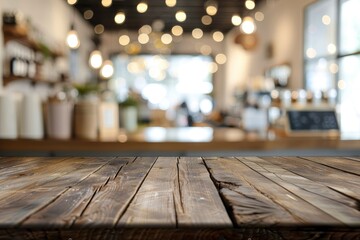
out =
column 8, row 79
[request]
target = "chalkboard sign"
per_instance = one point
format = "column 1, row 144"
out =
column 312, row 121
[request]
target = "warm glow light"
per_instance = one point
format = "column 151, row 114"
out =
column 220, row 58
column 197, row 33
column 211, row 7
column 206, row 20
column 107, row 69
column 250, row 4
column 236, row 20
column 166, row 38
column 331, row 48
column 143, row 38
column 71, row 2
column 170, row 3
column 147, row 29
column 259, row 16
column 333, row 68
column 248, row 25
column 72, row 40
column 341, row 84
column 106, row 3
column 326, row 20
column 177, row 30
column 99, row 29
column 96, row 59
column 142, row 7
column 124, row 40
column 213, row 67
column 218, row 36
column 311, row 53
column 120, row 17
column 205, row 50
column 88, row 14
column 180, row 16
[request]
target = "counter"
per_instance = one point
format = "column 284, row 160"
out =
column 195, row 141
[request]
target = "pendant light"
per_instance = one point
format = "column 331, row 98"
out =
column 72, row 38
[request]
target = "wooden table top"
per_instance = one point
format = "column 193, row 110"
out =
column 180, row 198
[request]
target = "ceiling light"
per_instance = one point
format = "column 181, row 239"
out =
column 206, row 20
column 250, row 4
column 107, row 70
column 166, row 38
column 142, row 7
column 124, row 40
column 99, row 29
column 220, row 58
column 95, row 59
column 143, row 38
column 170, row 3
column 326, row 20
column 106, row 3
column 211, row 7
column 88, row 14
column 72, row 38
column 248, row 25
column 180, row 16
column 259, row 16
column 197, row 33
column 71, row 2
column 213, row 67
column 177, row 30
column 120, row 17
column 218, row 36
column 236, row 20
column 147, row 29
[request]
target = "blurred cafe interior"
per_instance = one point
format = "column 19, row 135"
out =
column 178, row 77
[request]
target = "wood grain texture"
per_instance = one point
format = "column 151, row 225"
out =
column 325, row 199
column 35, row 192
column 343, row 182
column 154, row 203
column 196, row 192
column 108, row 204
column 69, row 206
column 347, row 165
column 305, row 213
column 248, row 205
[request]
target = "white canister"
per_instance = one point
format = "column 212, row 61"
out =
column 59, row 119
column 108, row 121
column 31, row 117
column 8, row 117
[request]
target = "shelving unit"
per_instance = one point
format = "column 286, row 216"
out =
column 20, row 35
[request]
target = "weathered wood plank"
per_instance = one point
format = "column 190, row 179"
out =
column 347, row 165
column 69, row 206
column 303, row 212
column 154, row 203
column 110, row 202
column 198, row 203
column 48, row 185
column 345, row 183
column 329, row 201
column 248, row 205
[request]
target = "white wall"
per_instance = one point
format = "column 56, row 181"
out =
column 283, row 29
column 52, row 18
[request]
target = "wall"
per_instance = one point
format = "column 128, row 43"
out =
column 52, row 18
column 283, row 29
